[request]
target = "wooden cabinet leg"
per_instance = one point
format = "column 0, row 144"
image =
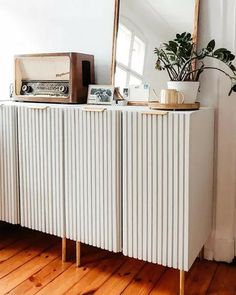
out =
column 78, row 254
column 181, row 282
column 63, row 251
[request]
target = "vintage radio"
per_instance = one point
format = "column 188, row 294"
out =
column 53, row 77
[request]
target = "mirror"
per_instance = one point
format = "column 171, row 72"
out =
column 140, row 27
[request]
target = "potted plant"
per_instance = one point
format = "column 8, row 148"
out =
column 184, row 64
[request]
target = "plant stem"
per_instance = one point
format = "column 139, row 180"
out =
column 184, row 66
column 209, row 68
column 212, row 56
column 174, row 73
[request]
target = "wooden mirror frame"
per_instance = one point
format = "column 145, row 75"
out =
column 115, row 33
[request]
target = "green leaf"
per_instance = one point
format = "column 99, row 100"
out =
column 156, row 51
column 233, row 89
column 232, row 67
column 211, row 45
column 158, row 65
column 220, row 51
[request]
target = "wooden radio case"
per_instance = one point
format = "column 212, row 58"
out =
column 53, row 77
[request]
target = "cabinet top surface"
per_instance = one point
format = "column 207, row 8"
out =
column 82, row 106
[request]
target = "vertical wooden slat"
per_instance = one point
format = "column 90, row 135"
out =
column 80, row 229
column 97, row 175
column 145, row 189
column 130, row 188
column 170, row 156
column 140, row 184
column 149, row 189
column 102, row 181
column 165, row 191
column 155, row 188
column 72, row 181
column 125, row 185
column 134, row 154
column 176, row 191
column 109, row 179
column 160, row 189
column 105, row 180
column 9, row 184
column 186, row 191
column 93, row 178
column 181, row 191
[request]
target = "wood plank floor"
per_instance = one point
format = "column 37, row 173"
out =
column 30, row 263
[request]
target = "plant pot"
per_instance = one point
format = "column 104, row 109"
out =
column 188, row 88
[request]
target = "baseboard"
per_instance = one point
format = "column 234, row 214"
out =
column 224, row 250
column 219, row 249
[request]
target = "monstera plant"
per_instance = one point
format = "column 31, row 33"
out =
column 183, row 62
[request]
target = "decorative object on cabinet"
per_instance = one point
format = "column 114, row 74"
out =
column 121, row 99
column 185, row 64
column 154, row 105
column 9, row 177
column 100, row 94
column 92, row 139
column 171, row 96
column 122, row 102
column 134, row 42
column 53, row 77
column 139, row 92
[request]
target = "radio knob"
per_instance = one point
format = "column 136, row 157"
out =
column 63, row 89
column 26, row 88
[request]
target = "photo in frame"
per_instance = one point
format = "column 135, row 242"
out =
column 100, row 94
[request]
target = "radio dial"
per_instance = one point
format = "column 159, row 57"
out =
column 63, row 89
column 26, row 88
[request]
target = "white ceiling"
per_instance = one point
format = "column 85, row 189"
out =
column 179, row 14
column 161, row 16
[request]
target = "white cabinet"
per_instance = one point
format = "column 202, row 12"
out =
column 167, row 185
column 41, row 170
column 9, row 184
column 92, row 176
column 82, row 170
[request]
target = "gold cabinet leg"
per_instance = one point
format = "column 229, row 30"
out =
column 78, row 263
column 63, row 251
column 181, row 282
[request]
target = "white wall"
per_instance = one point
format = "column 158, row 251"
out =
column 32, row 26
column 218, row 20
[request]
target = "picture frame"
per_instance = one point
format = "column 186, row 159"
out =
column 100, row 94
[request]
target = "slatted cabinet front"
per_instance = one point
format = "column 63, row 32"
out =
column 92, row 177
column 167, row 185
column 41, row 168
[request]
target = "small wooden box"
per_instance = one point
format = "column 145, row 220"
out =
column 44, row 73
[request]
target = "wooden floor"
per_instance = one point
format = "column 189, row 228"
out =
column 30, row 263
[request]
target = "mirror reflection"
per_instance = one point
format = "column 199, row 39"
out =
column 144, row 25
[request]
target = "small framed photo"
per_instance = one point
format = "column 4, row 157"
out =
column 100, row 94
